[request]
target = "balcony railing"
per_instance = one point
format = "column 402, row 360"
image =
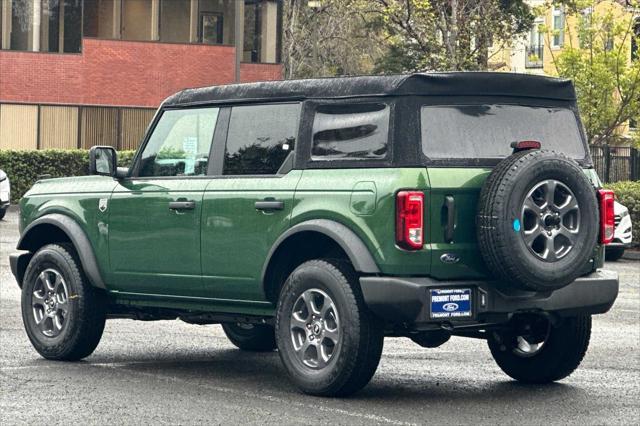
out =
column 534, row 56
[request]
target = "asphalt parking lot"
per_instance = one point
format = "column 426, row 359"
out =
column 172, row 372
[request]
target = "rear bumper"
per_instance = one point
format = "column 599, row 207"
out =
column 406, row 300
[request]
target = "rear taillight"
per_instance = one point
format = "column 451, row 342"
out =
column 410, row 219
column 607, row 220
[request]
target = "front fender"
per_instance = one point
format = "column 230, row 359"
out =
column 30, row 241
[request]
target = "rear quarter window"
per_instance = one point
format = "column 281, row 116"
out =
column 486, row 131
column 351, row 132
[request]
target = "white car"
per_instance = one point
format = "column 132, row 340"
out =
column 5, row 193
column 622, row 235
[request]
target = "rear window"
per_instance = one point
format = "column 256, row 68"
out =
column 486, row 131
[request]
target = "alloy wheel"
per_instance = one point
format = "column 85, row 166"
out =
column 315, row 328
column 50, row 302
column 550, row 217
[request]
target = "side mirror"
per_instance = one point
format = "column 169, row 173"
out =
column 103, row 161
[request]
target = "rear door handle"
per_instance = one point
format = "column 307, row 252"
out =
column 269, row 204
column 450, row 226
column 182, row 205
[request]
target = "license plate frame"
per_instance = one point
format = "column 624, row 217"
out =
column 451, row 303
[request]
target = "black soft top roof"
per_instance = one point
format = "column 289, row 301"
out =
column 429, row 84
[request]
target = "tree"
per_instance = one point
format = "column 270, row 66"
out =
column 446, row 34
column 336, row 37
column 606, row 76
column 327, row 38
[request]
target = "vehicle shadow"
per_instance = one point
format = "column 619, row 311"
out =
column 263, row 373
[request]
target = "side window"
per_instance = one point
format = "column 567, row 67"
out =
column 358, row 131
column 180, row 143
column 260, row 138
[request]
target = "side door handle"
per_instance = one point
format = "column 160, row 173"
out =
column 450, row 225
column 182, row 205
column 269, row 204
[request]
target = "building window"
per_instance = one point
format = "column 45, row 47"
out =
column 49, row 26
column 137, row 20
column 21, row 30
column 535, row 47
column 262, row 31
column 216, row 20
column 558, row 26
column 71, row 27
column 59, row 25
column 175, row 21
column 41, row 25
column 100, row 18
column 211, row 28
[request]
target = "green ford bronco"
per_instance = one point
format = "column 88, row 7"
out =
column 320, row 216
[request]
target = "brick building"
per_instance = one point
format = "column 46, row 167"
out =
column 78, row 73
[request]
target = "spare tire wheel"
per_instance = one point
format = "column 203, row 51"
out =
column 537, row 223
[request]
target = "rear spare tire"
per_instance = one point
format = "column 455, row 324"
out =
column 537, row 223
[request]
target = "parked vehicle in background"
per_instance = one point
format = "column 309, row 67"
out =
column 5, row 193
column 319, row 216
column 622, row 235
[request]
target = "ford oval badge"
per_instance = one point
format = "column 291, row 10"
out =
column 450, row 307
column 449, row 258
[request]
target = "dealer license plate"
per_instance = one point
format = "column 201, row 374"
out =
column 451, row 303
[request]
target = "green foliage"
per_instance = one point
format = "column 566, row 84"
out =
column 351, row 37
column 628, row 194
column 439, row 35
column 328, row 38
column 607, row 80
column 168, row 153
column 24, row 167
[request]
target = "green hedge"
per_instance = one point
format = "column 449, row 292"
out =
column 628, row 194
column 24, row 167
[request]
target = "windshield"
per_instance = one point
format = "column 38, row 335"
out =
column 486, row 131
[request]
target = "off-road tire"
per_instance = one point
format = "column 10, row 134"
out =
column 613, row 254
column 560, row 355
column 502, row 247
column 86, row 315
column 357, row 356
column 252, row 337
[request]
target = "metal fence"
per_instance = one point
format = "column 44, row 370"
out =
column 616, row 163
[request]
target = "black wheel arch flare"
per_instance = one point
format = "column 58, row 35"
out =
column 30, row 241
